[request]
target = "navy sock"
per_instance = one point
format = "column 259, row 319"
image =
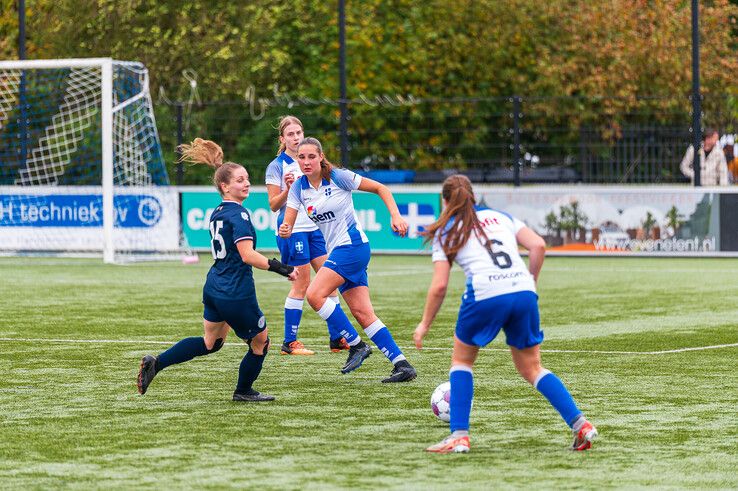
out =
column 249, row 371
column 554, row 390
column 183, row 351
column 462, row 392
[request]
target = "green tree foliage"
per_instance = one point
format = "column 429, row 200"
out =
column 580, row 49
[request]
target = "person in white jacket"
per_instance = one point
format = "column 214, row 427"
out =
column 713, row 168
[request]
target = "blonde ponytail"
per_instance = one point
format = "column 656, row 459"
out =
column 209, row 153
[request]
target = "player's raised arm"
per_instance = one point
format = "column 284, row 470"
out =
column 398, row 223
column 250, row 256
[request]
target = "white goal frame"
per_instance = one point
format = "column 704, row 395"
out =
column 106, row 66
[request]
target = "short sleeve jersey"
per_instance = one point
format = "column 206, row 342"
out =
column 275, row 173
column 331, row 207
column 229, row 277
column 496, row 272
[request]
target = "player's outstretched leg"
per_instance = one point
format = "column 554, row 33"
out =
column 557, row 394
column 183, row 351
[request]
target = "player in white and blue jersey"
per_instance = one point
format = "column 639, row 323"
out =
column 500, row 295
column 229, row 295
column 306, row 246
column 325, row 193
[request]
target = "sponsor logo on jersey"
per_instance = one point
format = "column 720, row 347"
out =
column 244, row 215
column 316, row 217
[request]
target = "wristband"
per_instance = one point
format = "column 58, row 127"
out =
column 280, row 268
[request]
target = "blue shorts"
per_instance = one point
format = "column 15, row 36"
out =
column 243, row 315
column 350, row 261
column 301, row 247
column 515, row 313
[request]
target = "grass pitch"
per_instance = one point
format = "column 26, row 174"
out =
column 648, row 348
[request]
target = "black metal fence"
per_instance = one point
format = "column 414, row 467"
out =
column 495, row 140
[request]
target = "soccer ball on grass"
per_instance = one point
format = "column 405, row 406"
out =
column 440, row 402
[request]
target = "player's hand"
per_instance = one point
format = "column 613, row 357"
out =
column 293, row 275
column 289, row 179
column 285, row 231
column 419, row 334
column 399, row 225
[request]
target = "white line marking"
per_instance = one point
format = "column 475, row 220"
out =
column 406, row 348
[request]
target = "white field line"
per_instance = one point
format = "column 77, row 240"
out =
column 407, row 348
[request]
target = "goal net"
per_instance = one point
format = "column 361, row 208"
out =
column 81, row 167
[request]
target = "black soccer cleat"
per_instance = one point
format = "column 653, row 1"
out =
column 357, row 354
column 146, row 373
column 252, row 396
column 403, row 372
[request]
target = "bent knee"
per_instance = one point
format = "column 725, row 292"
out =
column 365, row 317
column 213, row 345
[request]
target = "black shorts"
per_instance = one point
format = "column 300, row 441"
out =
column 243, row 315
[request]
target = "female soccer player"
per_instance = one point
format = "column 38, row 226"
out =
column 228, row 296
column 500, row 294
column 325, row 192
column 306, row 246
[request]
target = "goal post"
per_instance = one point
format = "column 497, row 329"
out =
column 81, row 167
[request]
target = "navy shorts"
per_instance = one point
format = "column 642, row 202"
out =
column 243, row 315
column 301, row 247
column 515, row 313
column 350, row 261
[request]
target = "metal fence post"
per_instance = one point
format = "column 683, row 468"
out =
column 517, row 103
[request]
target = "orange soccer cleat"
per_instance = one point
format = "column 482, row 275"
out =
column 338, row 345
column 451, row 444
column 295, row 348
column 583, row 438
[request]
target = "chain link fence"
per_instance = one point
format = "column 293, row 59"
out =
column 494, row 140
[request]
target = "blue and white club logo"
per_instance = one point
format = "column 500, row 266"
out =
column 327, row 191
column 298, row 247
column 149, row 211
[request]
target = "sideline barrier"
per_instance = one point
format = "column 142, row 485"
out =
column 419, row 207
column 574, row 220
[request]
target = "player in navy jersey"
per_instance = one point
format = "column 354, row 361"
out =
column 500, row 294
column 325, row 193
column 229, row 296
column 306, row 246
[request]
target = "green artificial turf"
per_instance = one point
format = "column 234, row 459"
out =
column 73, row 331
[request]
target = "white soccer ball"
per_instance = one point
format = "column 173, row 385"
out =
column 441, row 402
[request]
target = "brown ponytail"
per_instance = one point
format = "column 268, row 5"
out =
column 459, row 195
column 284, row 123
column 209, row 153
